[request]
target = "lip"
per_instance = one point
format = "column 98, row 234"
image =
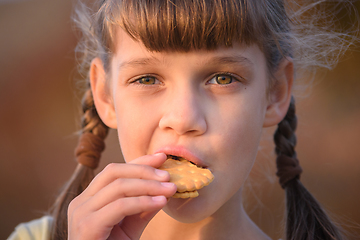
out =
column 184, row 153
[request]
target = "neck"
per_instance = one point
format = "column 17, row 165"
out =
column 230, row 221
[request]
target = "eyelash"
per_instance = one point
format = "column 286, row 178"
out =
column 213, row 78
column 137, row 80
column 232, row 78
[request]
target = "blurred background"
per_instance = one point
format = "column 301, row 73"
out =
column 39, row 119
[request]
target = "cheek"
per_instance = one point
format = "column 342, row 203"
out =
column 136, row 123
column 240, row 137
column 242, row 148
column 241, row 121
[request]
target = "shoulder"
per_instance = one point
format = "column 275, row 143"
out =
column 38, row 229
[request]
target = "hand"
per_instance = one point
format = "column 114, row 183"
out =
column 121, row 200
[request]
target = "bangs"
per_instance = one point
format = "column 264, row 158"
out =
column 178, row 25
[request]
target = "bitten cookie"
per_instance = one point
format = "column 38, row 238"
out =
column 187, row 177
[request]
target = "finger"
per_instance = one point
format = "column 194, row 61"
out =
column 118, row 170
column 125, row 187
column 155, row 160
column 112, row 214
column 99, row 224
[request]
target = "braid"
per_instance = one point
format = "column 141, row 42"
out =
column 305, row 219
column 284, row 137
column 83, row 175
column 91, row 121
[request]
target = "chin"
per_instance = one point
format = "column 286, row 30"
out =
column 190, row 210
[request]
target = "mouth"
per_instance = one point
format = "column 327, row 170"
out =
column 182, row 153
column 178, row 158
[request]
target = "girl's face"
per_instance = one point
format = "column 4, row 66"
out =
column 206, row 106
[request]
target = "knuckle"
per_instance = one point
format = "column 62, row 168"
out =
column 83, row 224
column 123, row 207
column 79, row 223
column 73, row 205
column 130, row 206
column 153, row 184
column 145, row 202
column 110, row 167
column 144, row 170
column 82, row 227
column 119, row 182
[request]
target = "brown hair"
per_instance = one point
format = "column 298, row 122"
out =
column 164, row 25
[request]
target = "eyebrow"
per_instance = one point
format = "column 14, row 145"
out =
column 217, row 60
column 224, row 60
column 139, row 62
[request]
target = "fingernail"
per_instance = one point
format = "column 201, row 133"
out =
column 168, row 184
column 158, row 154
column 158, row 198
column 161, row 173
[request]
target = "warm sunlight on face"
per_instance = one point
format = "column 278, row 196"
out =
column 207, row 106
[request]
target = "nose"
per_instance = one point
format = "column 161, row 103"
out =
column 184, row 113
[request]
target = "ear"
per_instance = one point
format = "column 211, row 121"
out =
column 102, row 98
column 280, row 93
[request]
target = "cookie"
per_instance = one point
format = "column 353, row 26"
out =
column 186, row 194
column 187, row 177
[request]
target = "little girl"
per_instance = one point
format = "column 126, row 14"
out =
column 194, row 79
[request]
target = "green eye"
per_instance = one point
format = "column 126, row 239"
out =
column 223, row 79
column 147, row 80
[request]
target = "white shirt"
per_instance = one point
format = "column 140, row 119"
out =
column 38, row 229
